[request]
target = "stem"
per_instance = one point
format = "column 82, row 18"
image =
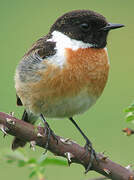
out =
column 65, row 148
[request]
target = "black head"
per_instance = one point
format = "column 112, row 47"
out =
column 85, row 25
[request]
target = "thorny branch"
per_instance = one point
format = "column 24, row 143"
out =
column 65, row 148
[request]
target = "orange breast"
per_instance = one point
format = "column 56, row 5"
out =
column 84, row 68
column 89, row 67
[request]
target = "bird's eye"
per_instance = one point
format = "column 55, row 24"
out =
column 84, row 27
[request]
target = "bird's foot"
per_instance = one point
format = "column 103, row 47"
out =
column 88, row 147
column 49, row 133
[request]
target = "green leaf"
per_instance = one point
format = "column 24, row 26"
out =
column 22, row 163
column 42, row 170
column 54, row 161
column 42, row 158
column 10, row 161
column 130, row 108
column 32, row 161
column 130, row 116
column 33, row 173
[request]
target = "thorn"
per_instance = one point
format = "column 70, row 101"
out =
column 39, row 134
column 3, row 129
column 104, row 152
column 32, row 145
column 106, row 171
column 72, row 141
column 66, row 141
column 10, row 121
column 69, row 156
column 129, row 167
column 11, row 113
column 104, row 158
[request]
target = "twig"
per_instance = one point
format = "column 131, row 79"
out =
column 65, row 148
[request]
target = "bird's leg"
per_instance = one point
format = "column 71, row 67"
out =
column 88, row 146
column 49, row 132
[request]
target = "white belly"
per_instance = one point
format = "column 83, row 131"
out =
column 69, row 107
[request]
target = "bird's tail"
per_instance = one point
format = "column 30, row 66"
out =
column 27, row 117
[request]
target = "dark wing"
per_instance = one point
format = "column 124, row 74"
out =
column 43, row 47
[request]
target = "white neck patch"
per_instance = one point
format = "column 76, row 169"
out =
column 63, row 42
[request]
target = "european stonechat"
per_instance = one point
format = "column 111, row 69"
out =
column 65, row 72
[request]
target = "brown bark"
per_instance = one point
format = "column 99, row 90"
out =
column 65, row 148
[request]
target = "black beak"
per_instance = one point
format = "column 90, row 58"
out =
column 110, row 26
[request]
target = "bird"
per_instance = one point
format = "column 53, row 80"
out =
column 65, row 71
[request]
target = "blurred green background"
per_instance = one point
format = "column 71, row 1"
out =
column 23, row 22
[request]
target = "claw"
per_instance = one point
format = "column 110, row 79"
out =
column 93, row 155
column 49, row 133
column 48, row 138
column 90, row 161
